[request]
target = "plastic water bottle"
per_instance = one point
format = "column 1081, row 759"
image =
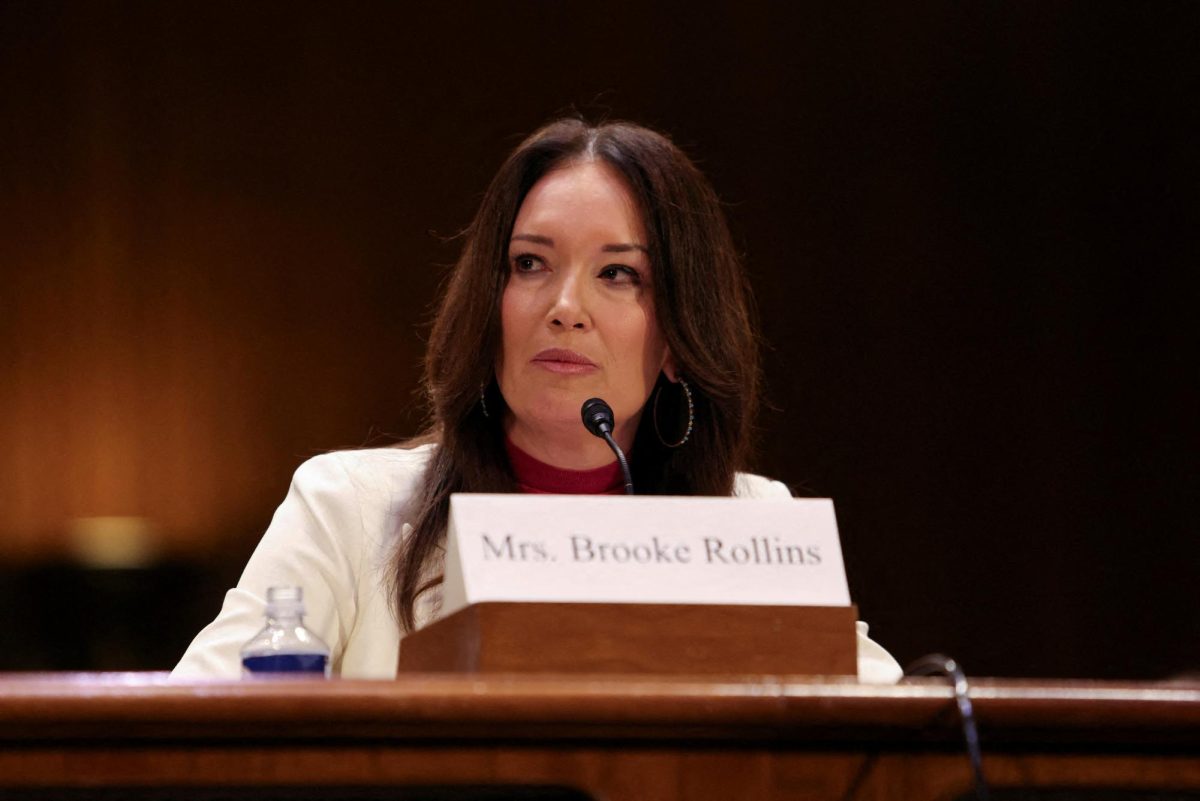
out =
column 285, row 646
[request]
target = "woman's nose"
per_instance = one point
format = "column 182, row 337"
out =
column 569, row 307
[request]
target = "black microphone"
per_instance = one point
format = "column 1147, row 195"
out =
column 598, row 419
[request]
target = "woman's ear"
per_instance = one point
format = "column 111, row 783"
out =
column 669, row 369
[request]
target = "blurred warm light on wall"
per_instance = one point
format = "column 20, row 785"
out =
column 113, row 542
column 159, row 380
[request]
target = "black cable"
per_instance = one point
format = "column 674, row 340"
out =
column 621, row 461
column 940, row 664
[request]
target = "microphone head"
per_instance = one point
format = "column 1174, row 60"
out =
column 597, row 417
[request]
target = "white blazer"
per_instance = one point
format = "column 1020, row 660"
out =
column 334, row 535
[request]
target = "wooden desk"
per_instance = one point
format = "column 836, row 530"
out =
column 610, row 737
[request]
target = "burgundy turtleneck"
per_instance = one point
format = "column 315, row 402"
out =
column 535, row 476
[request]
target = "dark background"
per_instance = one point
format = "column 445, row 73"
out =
column 971, row 228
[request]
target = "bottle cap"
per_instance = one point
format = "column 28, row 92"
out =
column 283, row 601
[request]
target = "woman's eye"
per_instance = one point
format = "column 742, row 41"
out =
column 525, row 263
column 620, row 274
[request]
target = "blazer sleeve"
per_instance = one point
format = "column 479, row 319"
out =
column 875, row 664
column 315, row 541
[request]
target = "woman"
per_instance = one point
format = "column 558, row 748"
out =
column 599, row 264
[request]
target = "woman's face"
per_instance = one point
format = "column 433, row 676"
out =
column 577, row 313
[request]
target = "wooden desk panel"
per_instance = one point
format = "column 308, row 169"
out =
column 611, row 737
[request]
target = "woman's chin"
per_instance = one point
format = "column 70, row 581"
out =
column 550, row 420
column 552, row 407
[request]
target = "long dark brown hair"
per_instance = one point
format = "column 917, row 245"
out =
column 702, row 304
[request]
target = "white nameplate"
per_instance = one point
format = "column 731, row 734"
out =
column 646, row 549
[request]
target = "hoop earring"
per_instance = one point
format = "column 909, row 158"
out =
column 483, row 401
column 687, row 391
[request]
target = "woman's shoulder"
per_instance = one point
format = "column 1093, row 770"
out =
column 751, row 485
column 366, row 466
column 378, row 482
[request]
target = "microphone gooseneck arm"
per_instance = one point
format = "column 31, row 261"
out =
column 598, row 419
column 612, row 443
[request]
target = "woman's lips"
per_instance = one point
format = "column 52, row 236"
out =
column 565, row 362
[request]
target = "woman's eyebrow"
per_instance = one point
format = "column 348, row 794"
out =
column 624, row 248
column 537, row 239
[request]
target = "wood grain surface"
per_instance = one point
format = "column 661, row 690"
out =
column 612, row 737
column 636, row 638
